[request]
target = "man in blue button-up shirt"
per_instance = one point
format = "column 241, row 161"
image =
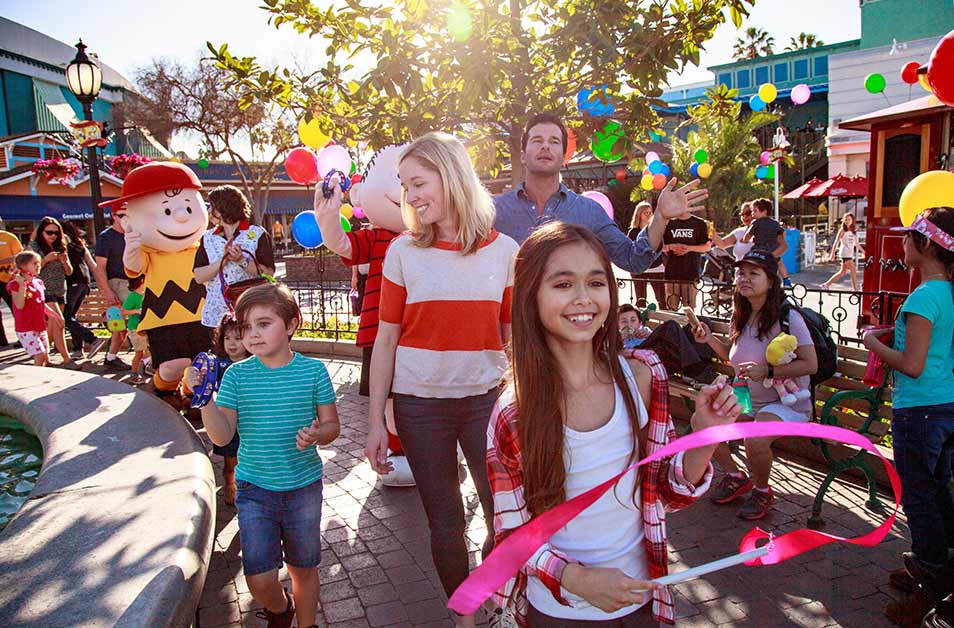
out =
column 543, row 198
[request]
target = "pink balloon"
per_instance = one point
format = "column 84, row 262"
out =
column 358, row 212
column 602, row 199
column 801, row 93
column 334, row 157
column 765, row 158
column 652, row 156
column 302, row 166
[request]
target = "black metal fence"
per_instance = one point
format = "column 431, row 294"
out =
column 847, row 311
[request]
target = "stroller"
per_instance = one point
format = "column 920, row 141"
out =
column 718, row 278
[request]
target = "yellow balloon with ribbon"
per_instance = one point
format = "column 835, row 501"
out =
column 768, row 92
column 705, row 170
column 311, row 135
column 347, row 210
column 646, row 182
column 929, row 189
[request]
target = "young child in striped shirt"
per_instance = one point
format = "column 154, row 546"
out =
column 283, row 405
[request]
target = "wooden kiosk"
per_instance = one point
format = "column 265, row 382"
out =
column 906, row 140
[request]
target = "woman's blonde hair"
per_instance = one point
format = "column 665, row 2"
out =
column 465, row 197
column 640, row 208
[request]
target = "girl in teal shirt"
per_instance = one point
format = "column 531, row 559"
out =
column 922, row 422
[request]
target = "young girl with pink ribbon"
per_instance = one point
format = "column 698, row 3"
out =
column 570, row 392
column 922, row 423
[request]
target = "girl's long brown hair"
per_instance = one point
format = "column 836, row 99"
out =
column 844, row 223
column 537, row 383
column 768, row 315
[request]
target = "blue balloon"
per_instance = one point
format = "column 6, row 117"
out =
column 761, row 172
column 594, row 107
column 664, row 171
column 656, row 167
column 305, row 230
column 756, row 103
column 694, row 170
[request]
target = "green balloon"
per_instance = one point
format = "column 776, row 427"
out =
column 353, row 168
column 701, row 156
column 203, row 163
column 345, row 224
column 604, row 142
column 770, row 171
column 875, row 83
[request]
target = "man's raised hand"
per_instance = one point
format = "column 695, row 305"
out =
column 674, row 202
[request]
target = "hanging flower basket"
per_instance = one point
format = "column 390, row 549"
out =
column 122, row 165
column 57, row 170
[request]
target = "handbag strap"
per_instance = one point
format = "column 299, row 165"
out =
column 222, row 283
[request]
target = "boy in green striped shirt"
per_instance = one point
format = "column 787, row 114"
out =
column 283, row 405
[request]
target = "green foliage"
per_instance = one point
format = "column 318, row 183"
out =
column 521, row 56
column 803, row 41
column 729, row 138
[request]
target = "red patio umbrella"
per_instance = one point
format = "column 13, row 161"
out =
column 840, row 185
column 801, row 191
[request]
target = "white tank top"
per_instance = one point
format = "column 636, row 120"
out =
column 848, row 240
column 610, row 532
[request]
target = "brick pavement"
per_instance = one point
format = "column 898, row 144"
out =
column 376, row 567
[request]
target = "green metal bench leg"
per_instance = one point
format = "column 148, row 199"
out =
column 874, row 504
column 816, row 521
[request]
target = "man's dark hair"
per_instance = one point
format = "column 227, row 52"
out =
column 543, row 118
column 627, row 307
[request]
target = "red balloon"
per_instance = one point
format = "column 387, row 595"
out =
column 621, row 175
column 941, row 70
column 909, row 73
column 302, row 166
column 570, row 146
column 356, row 178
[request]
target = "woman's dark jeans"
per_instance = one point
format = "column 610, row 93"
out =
column 75, row 295
column 923, row 453
column 430, row 430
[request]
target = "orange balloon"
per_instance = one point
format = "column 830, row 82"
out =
column 570, row 146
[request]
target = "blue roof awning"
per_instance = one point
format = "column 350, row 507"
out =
column 59, row 207
column 289, row 202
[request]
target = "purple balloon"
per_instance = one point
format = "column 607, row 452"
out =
column 765, row 158
column 651, row 156
column 801, row 93
column 602, row 199
column 333, row 158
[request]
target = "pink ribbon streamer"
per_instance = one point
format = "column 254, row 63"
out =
column 511, row 555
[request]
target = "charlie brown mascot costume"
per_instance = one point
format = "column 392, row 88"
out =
column 165, row 220
column 379, row 196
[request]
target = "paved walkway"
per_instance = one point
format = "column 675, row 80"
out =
column 377, row 570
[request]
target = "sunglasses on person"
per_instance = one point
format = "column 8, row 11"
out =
column 52, row 233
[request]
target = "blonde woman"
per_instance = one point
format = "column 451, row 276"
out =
column 642, row 215
column 444, row 319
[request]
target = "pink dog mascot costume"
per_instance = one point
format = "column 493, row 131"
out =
column 379, row 196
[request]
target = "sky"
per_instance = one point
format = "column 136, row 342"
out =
column 128, row 35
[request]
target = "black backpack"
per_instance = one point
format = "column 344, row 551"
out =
column 826, row 349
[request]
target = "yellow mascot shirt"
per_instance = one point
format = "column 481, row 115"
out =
column 172, row 294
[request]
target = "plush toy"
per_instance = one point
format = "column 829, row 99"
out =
column 165, row 220
column 379, row 196
column 114, row 319
column 782, row 351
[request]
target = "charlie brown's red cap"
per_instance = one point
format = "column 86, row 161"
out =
column 156, row 177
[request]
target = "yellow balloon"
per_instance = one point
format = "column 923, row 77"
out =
column 347, row 210
column 311, row 134
column 929, row 189
column 705, row 170
column 767, row 92
column 923, row 80
column 646, row 182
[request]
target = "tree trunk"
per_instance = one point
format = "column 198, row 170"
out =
column 516, row 166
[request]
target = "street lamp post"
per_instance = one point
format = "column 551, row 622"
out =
column 85, row 79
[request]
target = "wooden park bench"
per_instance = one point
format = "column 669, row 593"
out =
column 93, row 311
column 843, row 401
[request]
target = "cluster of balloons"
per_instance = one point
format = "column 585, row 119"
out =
column 700, row 168
column 596, row 105
column 767, row 94
column 765, row 171
column 655, row 174
column 929, row 189
column 305, row 167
